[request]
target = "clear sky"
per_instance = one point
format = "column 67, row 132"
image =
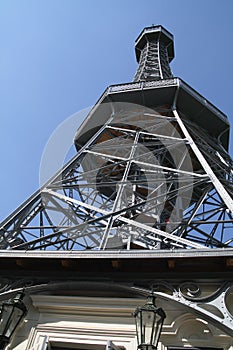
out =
column 58, row 56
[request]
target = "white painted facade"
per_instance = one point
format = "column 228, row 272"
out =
column 88, row 323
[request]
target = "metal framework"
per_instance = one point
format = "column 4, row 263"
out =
column 214, row 307
column 146, row 178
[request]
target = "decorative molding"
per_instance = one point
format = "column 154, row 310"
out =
column 58, row 325
column 212, row 303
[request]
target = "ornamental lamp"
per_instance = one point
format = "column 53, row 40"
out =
column 149, row 322
column 11, row 314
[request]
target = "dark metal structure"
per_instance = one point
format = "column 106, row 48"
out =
column 152, row 170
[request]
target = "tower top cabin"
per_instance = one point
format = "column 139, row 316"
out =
column 154, row 50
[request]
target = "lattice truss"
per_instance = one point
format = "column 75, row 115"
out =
column 147, row 179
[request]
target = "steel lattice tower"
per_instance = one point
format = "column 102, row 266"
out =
column 152, row 170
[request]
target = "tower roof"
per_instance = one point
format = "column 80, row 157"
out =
column 155, row 33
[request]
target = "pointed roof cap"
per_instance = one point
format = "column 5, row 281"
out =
column 155, row 33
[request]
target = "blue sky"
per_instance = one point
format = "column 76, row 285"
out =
column 58, row 56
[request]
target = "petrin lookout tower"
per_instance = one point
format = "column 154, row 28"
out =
column 146, row 205
column 152, row 170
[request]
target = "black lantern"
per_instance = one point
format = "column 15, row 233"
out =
column 149, row 322
column 11, row 314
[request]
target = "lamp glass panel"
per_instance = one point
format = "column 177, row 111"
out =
column 138, row 327
column 157, row 330
column 14, row 321
column 5, row 318
column 147, row 326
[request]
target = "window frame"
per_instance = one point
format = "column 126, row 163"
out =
column 45, row 338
